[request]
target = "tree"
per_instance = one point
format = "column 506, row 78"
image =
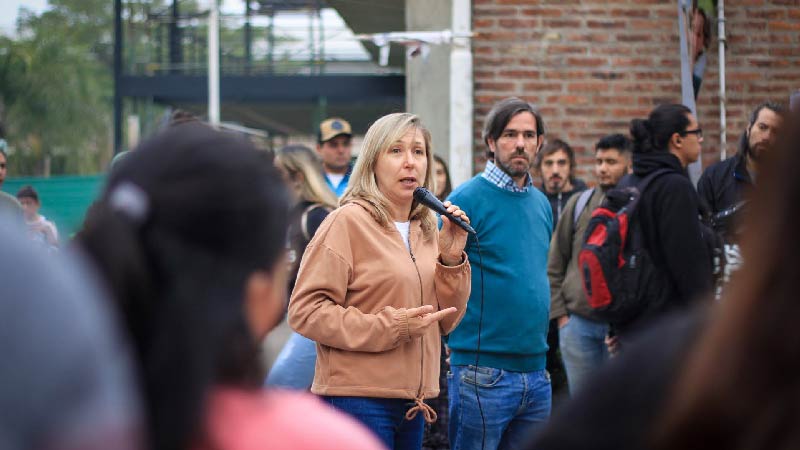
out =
column 56, row 88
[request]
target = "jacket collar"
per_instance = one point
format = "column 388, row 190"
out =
column 645, row 163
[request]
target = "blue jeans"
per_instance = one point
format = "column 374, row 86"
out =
column 386, row 417
column 583, row 349
column 513, row 404
column 294, row 367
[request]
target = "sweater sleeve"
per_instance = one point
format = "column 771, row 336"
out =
column 685, row 252
column 559, row 257
column 453, row 286
column 317, row 308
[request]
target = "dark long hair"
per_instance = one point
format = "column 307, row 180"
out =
column 740, row 388
column 448, row 185
column 653, row 134
column 181, row 225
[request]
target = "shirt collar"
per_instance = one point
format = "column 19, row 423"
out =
column 503, row 180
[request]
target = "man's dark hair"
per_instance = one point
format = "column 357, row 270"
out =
column 616, row 141
column 777, row 108
column 28, row 192
column 502, row 113
column 652, row 135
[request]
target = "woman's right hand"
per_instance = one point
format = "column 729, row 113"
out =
column 422, row 317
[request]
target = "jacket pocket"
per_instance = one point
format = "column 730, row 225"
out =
column 481, row 376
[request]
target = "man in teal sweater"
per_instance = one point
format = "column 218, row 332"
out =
column 498, row 349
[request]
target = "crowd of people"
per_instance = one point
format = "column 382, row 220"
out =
column 410, row 332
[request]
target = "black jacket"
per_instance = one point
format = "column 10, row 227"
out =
column 559, row 199
column 722, row 186
column 669, row 215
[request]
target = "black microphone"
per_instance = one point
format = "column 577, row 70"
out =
column 425, row 197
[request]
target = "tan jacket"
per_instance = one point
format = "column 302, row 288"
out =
column 355, row 282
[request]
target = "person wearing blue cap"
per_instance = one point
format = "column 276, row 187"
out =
column 335, row 146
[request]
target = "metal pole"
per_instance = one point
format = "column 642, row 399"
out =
column 687, row 87
column 213, row 64
column 117, row 76
column 723, row 43
column 248, row 38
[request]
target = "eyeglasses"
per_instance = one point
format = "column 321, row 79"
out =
column 698, row 132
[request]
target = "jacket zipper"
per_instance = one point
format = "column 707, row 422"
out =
column 421, row 303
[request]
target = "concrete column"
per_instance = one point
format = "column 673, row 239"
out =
column 439, row 84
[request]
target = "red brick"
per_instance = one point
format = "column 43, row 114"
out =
column 767, row 14
column 566, row 50
column 586, row 87
column 631, row 12
column 541, row 86
column 586, row 62
column 541, row 12
column 560, row 23
column 605, row 24
column 519, row 23
column 484, row 23
column 784, row 26
column 494, row 86
column 634, row 38
column 568, row 100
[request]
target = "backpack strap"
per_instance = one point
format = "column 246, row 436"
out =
column 304, row 218
column 583, row 200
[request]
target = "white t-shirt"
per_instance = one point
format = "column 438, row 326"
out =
column 335, row 178
column 403, row 228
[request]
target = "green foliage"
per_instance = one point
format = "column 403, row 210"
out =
column 56, row 88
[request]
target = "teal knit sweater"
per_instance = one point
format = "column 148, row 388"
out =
column 514, row 231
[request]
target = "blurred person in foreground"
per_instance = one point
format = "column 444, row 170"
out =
column 67, row 380
column 189, row 234
column 726, row 378
column 312, row 201
column 379, row 285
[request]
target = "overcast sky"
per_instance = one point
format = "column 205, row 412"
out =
column 9, row 9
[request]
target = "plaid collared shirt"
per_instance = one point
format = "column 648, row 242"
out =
column 503, row 180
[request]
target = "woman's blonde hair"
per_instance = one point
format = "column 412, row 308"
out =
column 299, row 159
column 363, row 184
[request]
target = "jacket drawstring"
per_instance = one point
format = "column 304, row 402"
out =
column 419, row 405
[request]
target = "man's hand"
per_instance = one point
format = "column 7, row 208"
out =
column 612, row 343
column 422, row 317
column 561, row 321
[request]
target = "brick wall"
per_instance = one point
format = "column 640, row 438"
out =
column 592, row 66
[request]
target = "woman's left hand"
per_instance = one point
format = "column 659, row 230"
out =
column 452, row 238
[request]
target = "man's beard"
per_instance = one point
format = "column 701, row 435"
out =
column 756, row 152
column 511, row 170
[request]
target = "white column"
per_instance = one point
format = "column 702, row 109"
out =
column 461, row 105
column 213, row 64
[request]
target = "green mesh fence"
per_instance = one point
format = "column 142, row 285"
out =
column 64, row 199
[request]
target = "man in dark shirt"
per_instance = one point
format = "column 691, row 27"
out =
column 556, row 164
column 723, row 186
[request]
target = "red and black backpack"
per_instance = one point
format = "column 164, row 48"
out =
column 616, row 268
